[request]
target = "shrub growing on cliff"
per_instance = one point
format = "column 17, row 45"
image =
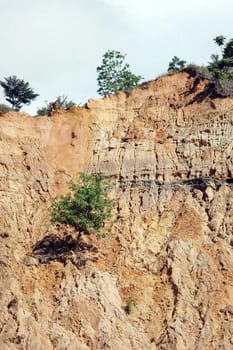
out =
column 128, row 306
column 114, row 74
column 61, row 102
column 86, row 207
column 17, row 92
column 4, row 108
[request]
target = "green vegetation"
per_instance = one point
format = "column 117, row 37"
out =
column 219, row 40
column 61, row 102
column 4, row 108
column 219, row 71
column 114, row 74
column 128, row 306
column 221, row 67
column 17, row 92
column 86, row 207
column 202, row 70
column 176, row 65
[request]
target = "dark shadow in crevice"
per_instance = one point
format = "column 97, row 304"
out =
column 208, row 92
column 52, row 245
column 54, row 248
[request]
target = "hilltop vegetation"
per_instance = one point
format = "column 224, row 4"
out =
column 219, row 70
column 115, row 75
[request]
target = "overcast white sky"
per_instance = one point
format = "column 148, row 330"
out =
column 56, row 45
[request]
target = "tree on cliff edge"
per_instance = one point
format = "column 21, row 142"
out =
column 114, row 74
column 17, row 92
column 176, row 64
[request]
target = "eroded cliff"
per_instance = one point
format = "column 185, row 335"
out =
column 167, row 148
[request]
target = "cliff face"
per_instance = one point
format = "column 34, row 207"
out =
column 167, row 147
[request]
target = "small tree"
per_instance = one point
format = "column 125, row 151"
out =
column 17, row 92
column 176, row 64
column 86, row 207
column 114, row 74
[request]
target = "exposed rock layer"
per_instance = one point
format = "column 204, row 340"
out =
column 168, row 256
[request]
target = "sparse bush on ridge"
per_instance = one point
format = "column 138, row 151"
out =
column 115, row 75
column 219, row 71
column 4, row 108
column 196, row 70
column 61, row 102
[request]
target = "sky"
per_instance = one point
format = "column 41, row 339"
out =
column 56, row 45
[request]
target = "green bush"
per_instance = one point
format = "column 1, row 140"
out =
column 86, row 207
column 61, row 102
column 4, row 108
column 128, row 306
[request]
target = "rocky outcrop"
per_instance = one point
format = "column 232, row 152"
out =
column 162, row 277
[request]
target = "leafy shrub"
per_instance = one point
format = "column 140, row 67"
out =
column 4, row 108
column 61, row 102
column 43, row 111
column 86, row 207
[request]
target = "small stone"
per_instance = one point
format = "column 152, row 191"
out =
column 30, row 260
